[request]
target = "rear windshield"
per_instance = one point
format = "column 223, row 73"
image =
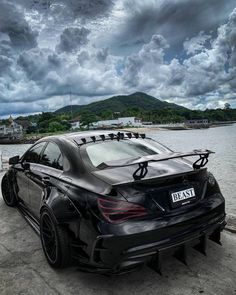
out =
column 120, row 150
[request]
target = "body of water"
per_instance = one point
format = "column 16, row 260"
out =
column 9, row 150
column 221, row 140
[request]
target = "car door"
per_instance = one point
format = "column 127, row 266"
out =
column 23, row 173
column 44, row 175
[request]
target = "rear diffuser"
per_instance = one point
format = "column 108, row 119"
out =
column 181, row 251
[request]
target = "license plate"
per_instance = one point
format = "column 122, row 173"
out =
column 183, row 197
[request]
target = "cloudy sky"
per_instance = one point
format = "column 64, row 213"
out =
column 182, row 51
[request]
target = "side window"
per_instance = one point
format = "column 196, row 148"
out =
column 52, row 157
column 32, row 156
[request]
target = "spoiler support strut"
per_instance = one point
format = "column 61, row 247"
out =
column 201, row 162
column 142, row 170
column 141, row 161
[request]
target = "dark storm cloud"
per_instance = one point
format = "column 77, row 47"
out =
column 176, row 20
column 72, row 39
column 29, row 62
column 5, row 64
column 6, row 58
column 15, row 26
column 74, row 8
column 50, row 74
column 209, row 69
column 5, row 48
column 54, row 60
column 102, row 54
column 88, row 8
column 230, row 32
column 183, row 51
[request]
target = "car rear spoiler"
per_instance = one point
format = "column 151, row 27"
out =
column 143, row 161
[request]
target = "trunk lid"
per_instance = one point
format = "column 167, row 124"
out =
column 124, row 175
column 157, row 194
column 162, row 180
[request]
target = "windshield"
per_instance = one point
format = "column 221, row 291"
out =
column 124, row 149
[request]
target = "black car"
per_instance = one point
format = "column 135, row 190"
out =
column 110, row 202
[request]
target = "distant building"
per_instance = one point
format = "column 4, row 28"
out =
column 119, row 122
column 198, row 123
column 75, row 123
column 3, row 130
column 13, row 129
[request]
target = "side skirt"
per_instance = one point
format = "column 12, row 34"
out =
column 29, row 218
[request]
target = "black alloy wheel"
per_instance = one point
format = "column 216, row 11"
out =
column 8, row 194
column 55, row 241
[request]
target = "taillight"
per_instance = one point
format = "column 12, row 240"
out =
column 117, row 211
column 211, row 179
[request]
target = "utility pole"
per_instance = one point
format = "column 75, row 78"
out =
column 71, row 111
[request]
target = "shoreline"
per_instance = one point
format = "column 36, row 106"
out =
column 143, row 129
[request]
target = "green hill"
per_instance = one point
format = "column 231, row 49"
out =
column 121, row 103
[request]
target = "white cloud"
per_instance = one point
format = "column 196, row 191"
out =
column 43, row 68
column 199, row 76
column 196, row 44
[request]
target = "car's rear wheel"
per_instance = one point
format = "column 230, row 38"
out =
column 8, row 194
column 55, row 241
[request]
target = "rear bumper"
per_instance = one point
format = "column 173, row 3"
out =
column 120, row 253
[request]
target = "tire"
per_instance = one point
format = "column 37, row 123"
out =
column 8, row 194
column 55, row 241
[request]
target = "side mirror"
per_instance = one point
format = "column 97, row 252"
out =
column 26, row 166
column 14, row 160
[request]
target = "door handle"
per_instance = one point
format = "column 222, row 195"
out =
column 46, row 180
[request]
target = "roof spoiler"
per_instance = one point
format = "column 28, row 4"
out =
column 111, row 136
column 143, row 161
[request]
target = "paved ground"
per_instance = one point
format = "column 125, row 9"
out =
column 23, row 269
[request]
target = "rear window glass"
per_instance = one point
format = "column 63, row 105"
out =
column 119, row 150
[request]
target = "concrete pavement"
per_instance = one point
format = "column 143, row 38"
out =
column 24, row 270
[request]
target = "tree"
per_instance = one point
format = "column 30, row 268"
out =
column 87, row 118
column 55, row 126
column 227, row 106
column 107, row 114
column 46, row 117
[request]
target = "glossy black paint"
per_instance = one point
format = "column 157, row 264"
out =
column 97, row 245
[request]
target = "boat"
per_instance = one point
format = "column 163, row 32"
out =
column 10, row 139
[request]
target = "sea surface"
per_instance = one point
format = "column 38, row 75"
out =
column 221, row 140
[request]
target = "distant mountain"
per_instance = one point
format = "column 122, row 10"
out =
column 121, row 103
